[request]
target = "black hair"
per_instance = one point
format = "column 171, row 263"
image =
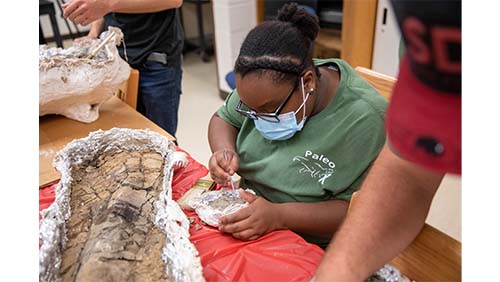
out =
column 282, row 47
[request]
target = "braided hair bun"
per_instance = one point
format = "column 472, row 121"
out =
column 308, row 24
column 282, row 47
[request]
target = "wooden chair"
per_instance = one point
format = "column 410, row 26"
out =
column 433, row 255
column 383, row 83
column 129, row 89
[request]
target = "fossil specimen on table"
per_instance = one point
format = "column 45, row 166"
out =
column 211, row 206
column 74, row 83
column 114, row 218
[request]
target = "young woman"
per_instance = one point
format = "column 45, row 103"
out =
column 301, row 133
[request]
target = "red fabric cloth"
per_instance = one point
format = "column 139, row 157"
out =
column 277, row 256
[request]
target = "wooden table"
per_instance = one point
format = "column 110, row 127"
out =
column 57, row 131
column 433, row 256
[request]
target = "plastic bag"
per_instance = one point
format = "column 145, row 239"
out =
column 211, row 206
column 278, row 256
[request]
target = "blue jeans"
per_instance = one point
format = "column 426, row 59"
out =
column 159, row 94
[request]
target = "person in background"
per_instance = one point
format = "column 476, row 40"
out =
column 424, row 142
column 153, row 42
column 301, row 133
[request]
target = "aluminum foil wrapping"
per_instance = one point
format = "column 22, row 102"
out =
column 77, row 54
column 211, row 206
column 182, row 262
column 388, row 273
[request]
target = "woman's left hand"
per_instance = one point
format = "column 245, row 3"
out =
column 259, row 218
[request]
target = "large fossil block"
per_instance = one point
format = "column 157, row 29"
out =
column 73, row 83
column 114, row 218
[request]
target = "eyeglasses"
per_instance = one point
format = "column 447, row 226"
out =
column 270, row 117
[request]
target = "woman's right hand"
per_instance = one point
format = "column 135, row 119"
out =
column 221, row 169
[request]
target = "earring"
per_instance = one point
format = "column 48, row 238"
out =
column 311, row 89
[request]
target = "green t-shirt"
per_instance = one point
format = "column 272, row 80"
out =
column 327, row 159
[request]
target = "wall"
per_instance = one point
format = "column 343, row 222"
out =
column 233, row 19
column 446, row 208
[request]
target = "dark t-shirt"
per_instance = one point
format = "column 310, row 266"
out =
column 150, row 32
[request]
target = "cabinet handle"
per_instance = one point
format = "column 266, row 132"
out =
column 384, row 18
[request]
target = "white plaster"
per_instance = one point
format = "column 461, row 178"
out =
column 73, row 85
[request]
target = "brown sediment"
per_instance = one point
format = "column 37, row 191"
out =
column 224, row 200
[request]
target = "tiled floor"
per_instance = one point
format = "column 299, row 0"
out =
column 200, row 99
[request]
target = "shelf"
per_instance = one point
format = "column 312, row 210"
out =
column 328, row 44
column 329, row 39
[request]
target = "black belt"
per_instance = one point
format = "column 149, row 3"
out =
column 157, row 57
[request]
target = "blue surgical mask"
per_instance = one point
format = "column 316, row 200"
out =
column 287, row 125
